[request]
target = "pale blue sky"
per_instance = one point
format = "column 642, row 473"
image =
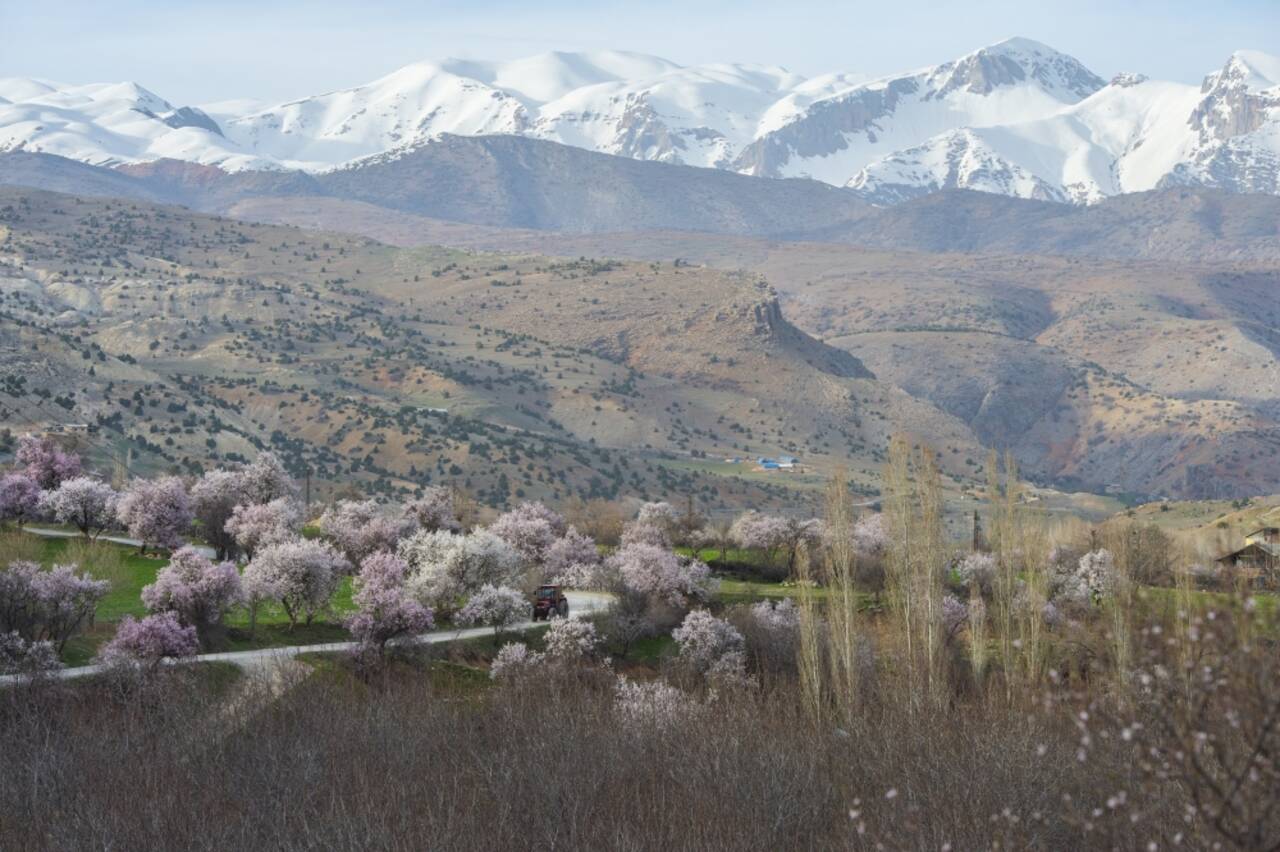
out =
column 193, row 52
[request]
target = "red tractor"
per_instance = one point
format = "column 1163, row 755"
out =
column 549, row 601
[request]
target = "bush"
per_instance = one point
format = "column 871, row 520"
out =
column 33, row 659
column 496, row 607
column 147, row 643
column 770, row 632
column 570, row 640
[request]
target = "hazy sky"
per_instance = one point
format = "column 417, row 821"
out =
column 190, row 52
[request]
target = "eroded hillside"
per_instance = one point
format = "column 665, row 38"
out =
column 186, row 340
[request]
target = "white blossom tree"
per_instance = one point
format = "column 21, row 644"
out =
column 86, row 503
column 300, row 575
column 447, row 567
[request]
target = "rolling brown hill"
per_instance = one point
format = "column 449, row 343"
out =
column 1192, row 348
column 190, row 340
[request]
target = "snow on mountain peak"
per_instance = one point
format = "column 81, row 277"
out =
column 1014, row 60
column 1250, row 69
column 1015, row 117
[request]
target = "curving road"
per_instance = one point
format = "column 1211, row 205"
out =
column 580, row 603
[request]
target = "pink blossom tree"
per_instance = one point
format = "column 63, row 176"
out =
column 977, row 570
column 955, row 614
column 214, row 497
column 571, row 560
column 300, row 575
column 660, row 574
column 265, row 480
column 196, row 589
column 384, row 608
column 654, row 524
column 45, row 462
column 660, row 514
column 257, row 525
column 494, row 606
column 19, row 498
column 156, row 511
column 50, row 605
column 771, row 535
column 147, row 643
column 530, row 528
column 434, row 510
column 641, row 532
column 86, row 503
column 359, row 528
column 713, row 648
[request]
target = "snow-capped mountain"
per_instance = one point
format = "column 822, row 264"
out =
column 1132, row 135
column 1016, row 118
column 108, row 124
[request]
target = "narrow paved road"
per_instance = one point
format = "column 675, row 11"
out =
column 580, row 603
column 114, row 539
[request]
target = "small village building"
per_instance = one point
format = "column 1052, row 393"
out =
column 1258, row 559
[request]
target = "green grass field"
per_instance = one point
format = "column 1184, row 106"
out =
column 128, row 571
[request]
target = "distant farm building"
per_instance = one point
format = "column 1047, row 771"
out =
column 1258, row 559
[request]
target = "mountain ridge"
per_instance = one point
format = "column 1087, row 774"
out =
column 1016, row 118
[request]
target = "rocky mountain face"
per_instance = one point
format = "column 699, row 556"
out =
column 1016, row 118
